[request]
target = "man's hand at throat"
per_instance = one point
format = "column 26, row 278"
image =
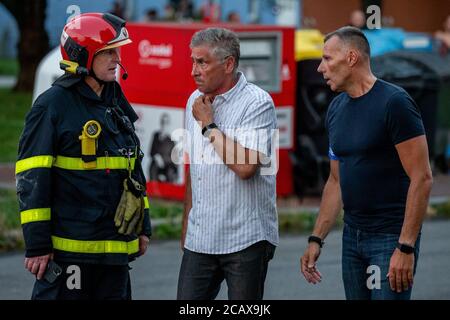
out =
column 202, row 111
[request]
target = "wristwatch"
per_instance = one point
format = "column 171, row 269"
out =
column 316, row 240
column 405, row 248
column 206, row 131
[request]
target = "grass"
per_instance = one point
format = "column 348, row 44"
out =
column 10, row 233
column 442, row 210
column 14, row 107
column 9, row 209
column 165, row 210
column 166, row 219
column 300, row 222
column 9, row 67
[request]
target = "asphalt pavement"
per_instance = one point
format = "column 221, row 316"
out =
column 154, row 276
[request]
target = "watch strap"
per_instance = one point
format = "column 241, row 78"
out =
column 405, row 248
column 316, row 240
column 209, row 127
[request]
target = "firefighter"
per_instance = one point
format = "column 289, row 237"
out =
column 80, row 184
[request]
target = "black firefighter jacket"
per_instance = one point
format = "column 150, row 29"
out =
column 65, row 208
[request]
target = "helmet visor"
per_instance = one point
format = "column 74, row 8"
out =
column 116, row 44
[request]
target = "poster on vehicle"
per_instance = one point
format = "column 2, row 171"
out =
column 285, row 126
column 154, row 128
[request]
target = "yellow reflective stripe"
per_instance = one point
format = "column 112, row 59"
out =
column 72, row 163
column 32, row 215
column 102, row 163
column 146, row 205
column 100, row 246
column 34, row 162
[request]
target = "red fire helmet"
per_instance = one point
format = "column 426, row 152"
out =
column 89, row 33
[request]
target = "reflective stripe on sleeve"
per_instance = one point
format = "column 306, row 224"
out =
column 34, row 162
column 95, row 246
column 33, row 215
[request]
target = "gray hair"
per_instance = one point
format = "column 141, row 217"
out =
column 224, row 43
column 352, row 36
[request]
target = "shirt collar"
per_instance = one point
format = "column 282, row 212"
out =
column 236, row 89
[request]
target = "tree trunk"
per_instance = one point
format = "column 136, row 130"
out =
column 33, row 41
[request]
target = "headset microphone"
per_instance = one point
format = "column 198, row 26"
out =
column 125, row 74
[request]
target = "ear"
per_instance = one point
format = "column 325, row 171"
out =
column 352, row 57
column 229, row 64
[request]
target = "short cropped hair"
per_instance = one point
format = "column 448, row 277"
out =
column 223, row 42
column 352, row 36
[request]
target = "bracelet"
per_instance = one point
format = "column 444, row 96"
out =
column 316, row 240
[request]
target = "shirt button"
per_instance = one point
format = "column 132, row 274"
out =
column 199, row 179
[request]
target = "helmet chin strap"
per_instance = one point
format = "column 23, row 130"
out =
column 99, row 81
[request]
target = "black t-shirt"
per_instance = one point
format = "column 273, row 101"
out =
column 363, row 133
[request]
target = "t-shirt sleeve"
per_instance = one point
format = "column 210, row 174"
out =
column 403, row 119
column 331, row 154
column 330, row 113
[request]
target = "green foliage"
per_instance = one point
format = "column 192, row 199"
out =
column 9, row 210
column 166, row 218
column 301, row 222
column 10, row 232
column 168, row 230
column 14, row 107
column 293, row 223
column 442, row 210
column 9, row 67
column 160, row 209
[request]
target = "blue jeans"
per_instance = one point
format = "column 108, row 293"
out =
column 244, row 271
column 361, row 249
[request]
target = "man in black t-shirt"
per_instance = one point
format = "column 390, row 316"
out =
column 380, row 172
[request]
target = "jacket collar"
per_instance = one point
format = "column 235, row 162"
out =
column 110, row 90
column 69, row 80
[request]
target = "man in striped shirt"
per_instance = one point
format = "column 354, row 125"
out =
column 230, row 226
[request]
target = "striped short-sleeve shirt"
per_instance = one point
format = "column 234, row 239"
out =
column 229, row 214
